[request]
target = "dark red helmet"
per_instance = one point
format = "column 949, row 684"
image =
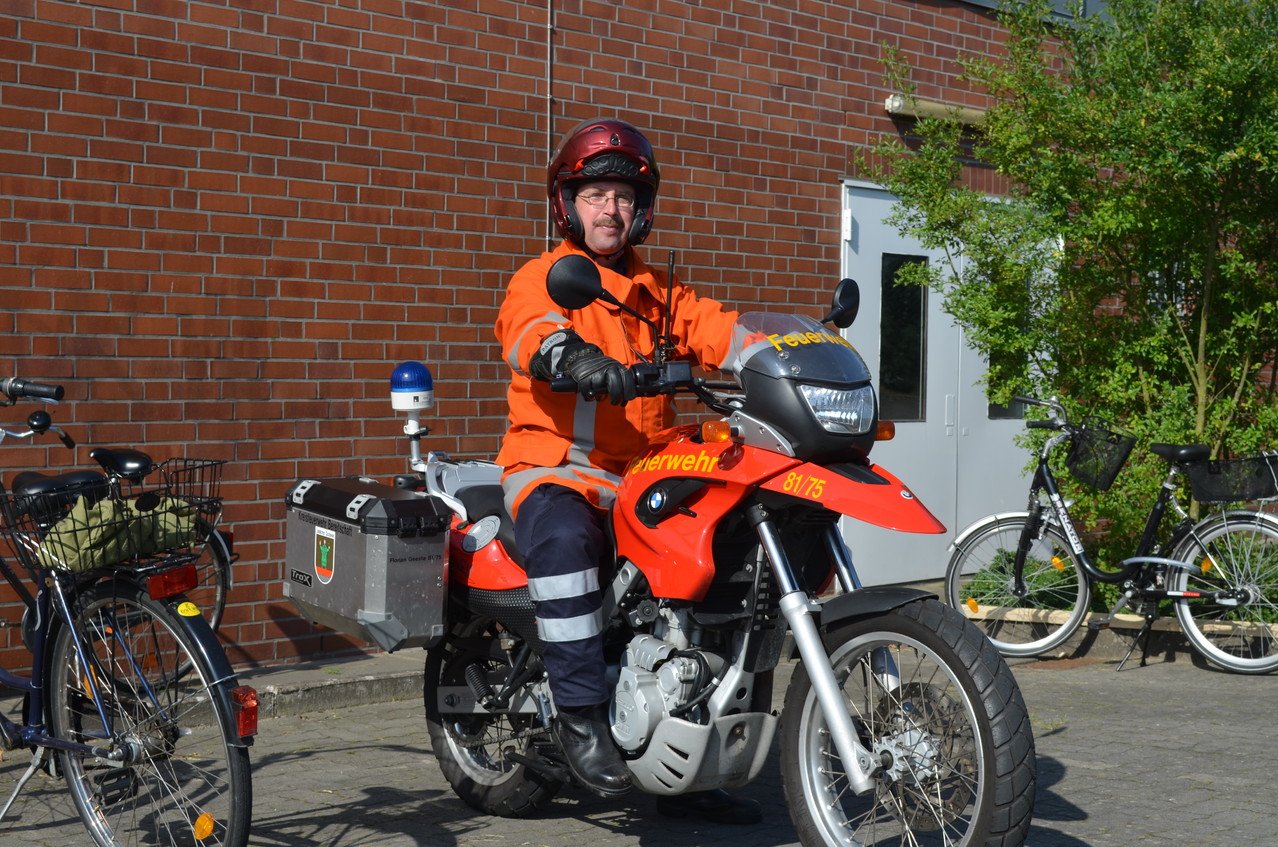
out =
column 605, row 148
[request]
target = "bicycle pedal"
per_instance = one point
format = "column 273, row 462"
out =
column 1097, row 626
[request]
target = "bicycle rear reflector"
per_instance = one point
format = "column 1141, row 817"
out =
column 244, row 698
column 163, row 585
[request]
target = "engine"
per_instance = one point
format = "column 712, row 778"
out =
column 656, row 679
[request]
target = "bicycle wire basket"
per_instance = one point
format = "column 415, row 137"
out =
column 1098, row 451
column 80, row 529
column 1234, row 480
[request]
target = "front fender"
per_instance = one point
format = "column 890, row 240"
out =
column 867, row 602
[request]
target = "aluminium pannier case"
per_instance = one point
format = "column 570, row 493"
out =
column 368, row 560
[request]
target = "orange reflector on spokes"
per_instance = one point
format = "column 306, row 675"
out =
column 203, row 826
column 973, row 605
column 245, row 700
column 1206, row 564
column 1058, row 563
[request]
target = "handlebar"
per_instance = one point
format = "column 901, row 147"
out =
column 16, row 388
column 650, row 380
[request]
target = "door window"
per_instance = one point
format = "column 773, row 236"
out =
column 902, row 343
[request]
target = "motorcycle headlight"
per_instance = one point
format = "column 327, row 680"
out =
column 839, row 410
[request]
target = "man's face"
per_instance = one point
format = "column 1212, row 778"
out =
column 606, row 209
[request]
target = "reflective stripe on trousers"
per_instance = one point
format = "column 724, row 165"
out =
column 559, row 534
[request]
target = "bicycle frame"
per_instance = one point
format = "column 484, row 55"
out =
column 1151, row 584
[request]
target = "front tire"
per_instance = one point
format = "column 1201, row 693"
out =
column 980, row 584
column 474, row 748
column 950, row 727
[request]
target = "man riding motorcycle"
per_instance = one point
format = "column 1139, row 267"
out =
column 563, row 453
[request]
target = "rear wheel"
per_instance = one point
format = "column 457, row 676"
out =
column 941, row 711
column 165, row 771
column 213, row 570
column 1044, row 612
column 477, row 749
column 1236, row 554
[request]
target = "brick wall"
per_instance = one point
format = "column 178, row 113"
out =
column 222, row 223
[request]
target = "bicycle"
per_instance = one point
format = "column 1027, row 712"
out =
column 129, row 686
column 1025, row 577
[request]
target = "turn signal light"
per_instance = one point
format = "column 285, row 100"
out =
column 176, row 581
column 716, row 432
column 885, row 431
column 245, row 700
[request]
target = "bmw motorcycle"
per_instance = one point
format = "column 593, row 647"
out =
column 901, row 723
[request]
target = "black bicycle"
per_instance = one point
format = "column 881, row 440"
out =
column 1025, row 577
column 129, row 686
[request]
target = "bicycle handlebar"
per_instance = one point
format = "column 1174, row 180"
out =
column 16, row 388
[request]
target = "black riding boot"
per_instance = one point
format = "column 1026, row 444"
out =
column 587, row 743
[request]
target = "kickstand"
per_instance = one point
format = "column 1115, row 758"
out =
column 1142, row 638
column 37, row 762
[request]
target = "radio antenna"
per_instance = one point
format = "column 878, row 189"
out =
column 665, row 345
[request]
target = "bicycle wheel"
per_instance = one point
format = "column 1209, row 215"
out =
column 213, row 569
column 168, row 773
column 1235, row 552
column 979, row 583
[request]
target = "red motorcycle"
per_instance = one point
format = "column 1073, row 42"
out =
column 901, row 723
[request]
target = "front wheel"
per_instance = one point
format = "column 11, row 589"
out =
column 1235, row 565
column 938, row 706
column 1034, row 617
column 139, row 690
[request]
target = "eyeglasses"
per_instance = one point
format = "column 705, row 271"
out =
column 596, row 200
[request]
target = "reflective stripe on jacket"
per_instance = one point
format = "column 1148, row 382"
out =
column 565, row 431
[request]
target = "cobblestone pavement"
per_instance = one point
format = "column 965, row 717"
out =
column 1168, row 754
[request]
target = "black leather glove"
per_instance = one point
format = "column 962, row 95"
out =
column 597, row 374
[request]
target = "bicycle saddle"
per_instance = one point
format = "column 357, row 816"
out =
column 1181, row 453
column 123, row 462
column 71, row 483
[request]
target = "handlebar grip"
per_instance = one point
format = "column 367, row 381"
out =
column 563, row 384
column 17, row 388
column 1042, row 425
column 1029, row 401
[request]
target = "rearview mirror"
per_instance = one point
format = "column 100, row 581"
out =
column 573, row 282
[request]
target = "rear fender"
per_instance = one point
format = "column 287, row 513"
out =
column 187, row 615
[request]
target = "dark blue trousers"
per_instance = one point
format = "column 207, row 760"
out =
column 560, row 535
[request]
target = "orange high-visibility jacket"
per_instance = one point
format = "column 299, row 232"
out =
column 564, row 431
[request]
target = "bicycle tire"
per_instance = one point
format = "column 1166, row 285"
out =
column 978, row 582
column 213, row 571
column 1236, row 550
column 182, row 779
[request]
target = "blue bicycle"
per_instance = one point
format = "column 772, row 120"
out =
column 130, row 696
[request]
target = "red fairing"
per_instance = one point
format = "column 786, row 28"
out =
column 488, row 568
column 676, row 555
column 888, row 503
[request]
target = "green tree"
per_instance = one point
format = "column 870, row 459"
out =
column 1129, row 264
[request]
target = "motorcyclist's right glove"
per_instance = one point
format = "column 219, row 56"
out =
column 596, row 375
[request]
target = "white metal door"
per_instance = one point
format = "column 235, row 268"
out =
column 953, row 455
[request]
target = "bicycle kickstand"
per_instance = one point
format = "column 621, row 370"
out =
column 37, row 762
column 1142, row 638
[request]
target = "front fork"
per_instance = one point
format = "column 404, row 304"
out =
column 801, row 614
